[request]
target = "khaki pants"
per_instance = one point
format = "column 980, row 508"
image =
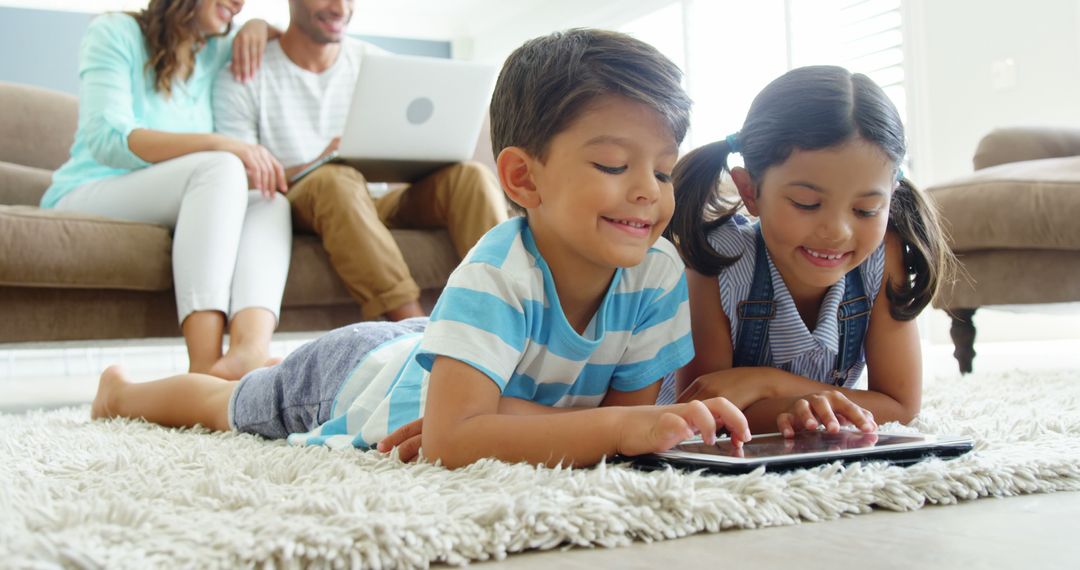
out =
column 334, row 202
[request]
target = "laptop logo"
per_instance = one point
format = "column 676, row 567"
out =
column 420, row 110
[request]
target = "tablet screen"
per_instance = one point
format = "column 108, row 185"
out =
column 776, row 445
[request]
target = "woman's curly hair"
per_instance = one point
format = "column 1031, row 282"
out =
column 172, row 40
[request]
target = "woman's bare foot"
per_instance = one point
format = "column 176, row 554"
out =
column 112, row 381
column 238, row 362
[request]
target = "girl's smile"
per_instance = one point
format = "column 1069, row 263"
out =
column 825, row 257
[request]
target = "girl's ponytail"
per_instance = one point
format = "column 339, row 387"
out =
column 699, row 206
column 928, row 261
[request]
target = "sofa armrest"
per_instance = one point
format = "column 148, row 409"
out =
column 1017, row 144
column 22, row 185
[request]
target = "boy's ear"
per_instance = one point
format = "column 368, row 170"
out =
column 515, row 169
column 747, row 189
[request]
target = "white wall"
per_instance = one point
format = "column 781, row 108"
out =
column 954, row 45
column 494, row 34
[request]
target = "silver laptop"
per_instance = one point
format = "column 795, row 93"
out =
column 413, row 115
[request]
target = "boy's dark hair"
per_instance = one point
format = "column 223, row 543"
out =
column 812, row 108
column 546, row 83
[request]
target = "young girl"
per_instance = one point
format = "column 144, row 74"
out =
column 845, row 253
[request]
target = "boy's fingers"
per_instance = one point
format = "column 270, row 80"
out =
column 730, row 417
column 699, row 416
column 410, row 449
column 403, row 433
column 668, row 431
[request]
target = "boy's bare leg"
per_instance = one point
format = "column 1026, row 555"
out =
column 177, row 401
column 249, row 344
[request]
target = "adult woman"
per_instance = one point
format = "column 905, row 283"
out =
column 145, row 151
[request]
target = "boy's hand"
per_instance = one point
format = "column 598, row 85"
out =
column 406, row 438
column 830, row 408
column 658, row 428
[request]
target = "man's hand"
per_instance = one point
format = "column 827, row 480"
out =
column 332, row 147
column 651, row 429
column 293, row 171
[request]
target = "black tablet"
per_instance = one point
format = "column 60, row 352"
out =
column 806, row 449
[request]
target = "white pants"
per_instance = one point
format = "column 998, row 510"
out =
column 231, row 246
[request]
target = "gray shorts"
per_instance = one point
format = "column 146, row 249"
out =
column 297, row 395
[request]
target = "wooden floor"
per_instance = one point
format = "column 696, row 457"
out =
column 1030, row 531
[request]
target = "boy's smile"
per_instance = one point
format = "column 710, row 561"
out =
column 603, row 192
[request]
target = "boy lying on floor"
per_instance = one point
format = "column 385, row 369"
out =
column 550, row 339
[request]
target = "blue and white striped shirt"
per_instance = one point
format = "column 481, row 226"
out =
column 500, row 314
column 792, row 346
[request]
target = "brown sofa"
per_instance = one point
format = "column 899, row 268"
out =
column 1014, row 225
column 67, row 276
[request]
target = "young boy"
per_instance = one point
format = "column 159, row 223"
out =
column 550, row 339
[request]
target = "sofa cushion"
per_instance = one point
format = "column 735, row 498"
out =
column 22, row 185
column 46, row 248
column 1033, row 204
column 38, row 125
column 313, row 282
column 1018, row 144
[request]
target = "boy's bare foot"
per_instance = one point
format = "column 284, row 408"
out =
column 236, row 363
column 111, row 382
column 406, row 311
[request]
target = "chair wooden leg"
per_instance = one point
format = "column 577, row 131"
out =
column 962, row 332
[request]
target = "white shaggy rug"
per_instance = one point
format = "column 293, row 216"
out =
column 126, row 494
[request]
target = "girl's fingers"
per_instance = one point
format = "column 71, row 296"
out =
column 824, row 413
column 804, row 416
column 784, row 424
column 854, row 413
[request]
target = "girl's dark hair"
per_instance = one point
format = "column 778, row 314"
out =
column 172, row 40
column 811, row 108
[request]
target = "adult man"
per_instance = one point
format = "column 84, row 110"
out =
column 296, row 107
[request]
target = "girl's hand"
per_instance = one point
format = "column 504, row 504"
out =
column 651, row 429
column 741, row 386
column 248, row 48
column 406, row 439
column 830, row 408
column 264, row 171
